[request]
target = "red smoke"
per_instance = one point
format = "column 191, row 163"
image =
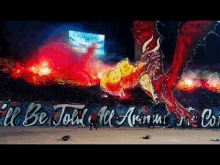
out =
column 57, row 62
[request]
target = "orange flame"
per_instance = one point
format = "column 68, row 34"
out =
column 42, row 69
column 188, row 84
column 123, row 76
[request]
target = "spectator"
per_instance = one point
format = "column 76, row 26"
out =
column 171, row 120
column 168, row 120
column 3, row 113
column 53, row 116
column 142, row 119
column 189, row 124
column 217, row 122
column 94, row 120
column 218, row 125
column 175, row 122
column 152, row 117
column 79, row 115
column 183, row 122
column 116, row 120
column 163, row 117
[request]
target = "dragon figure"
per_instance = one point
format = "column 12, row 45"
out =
column 148, row 72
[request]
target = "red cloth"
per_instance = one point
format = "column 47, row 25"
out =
column 194, row 123
column 55, row 114
column 94, row 117
column 4, row 112
column 80, row 113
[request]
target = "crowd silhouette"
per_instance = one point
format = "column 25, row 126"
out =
column 21, row 91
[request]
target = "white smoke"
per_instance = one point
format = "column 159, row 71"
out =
column 191, row 74
column 202, row 75
column 197, row 76
column 213, row 79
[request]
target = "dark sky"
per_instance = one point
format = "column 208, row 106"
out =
column 23, row 37
column 206, row 54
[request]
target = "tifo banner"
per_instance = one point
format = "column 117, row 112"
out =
column 89, row 69
column 39, row 114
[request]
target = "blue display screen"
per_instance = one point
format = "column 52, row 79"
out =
column 81, row 41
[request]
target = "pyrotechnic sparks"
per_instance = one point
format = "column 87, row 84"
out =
column 190, row 81
column 105, row 96
column 193, row 80
column 42, row 70
column 189, row 84
column 212, row 82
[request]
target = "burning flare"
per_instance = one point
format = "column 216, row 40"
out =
column 58, row 63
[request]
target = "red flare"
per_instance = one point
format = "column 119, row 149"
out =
column 59, row 63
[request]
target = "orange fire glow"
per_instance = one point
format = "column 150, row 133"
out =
column 123, row 76
column 57, row 64
column 187, row 84
column 213, row 85
column 42, row 69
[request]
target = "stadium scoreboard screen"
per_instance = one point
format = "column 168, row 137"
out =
column 81, row 41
